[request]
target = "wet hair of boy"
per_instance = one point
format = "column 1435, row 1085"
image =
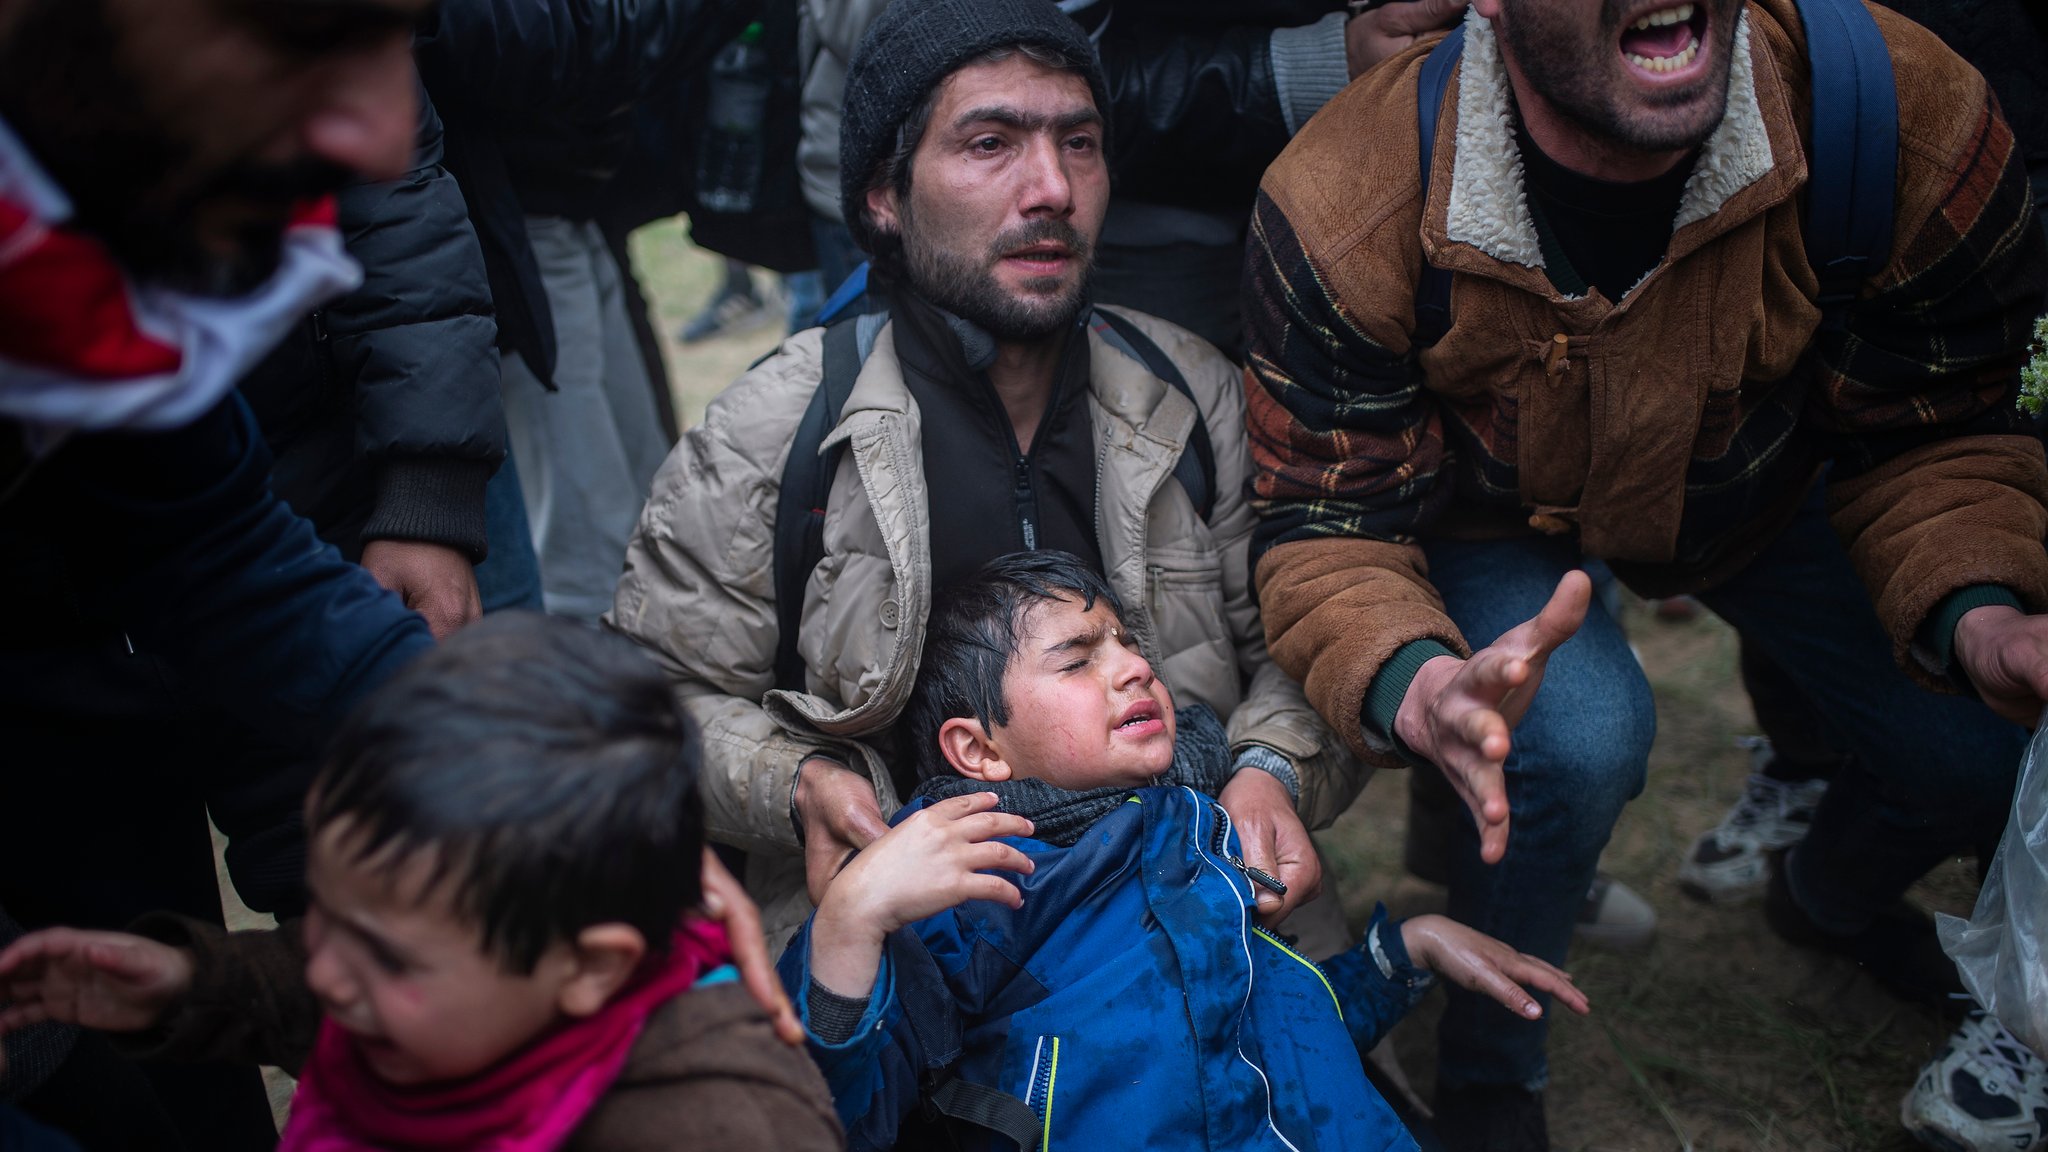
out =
column 972, row 635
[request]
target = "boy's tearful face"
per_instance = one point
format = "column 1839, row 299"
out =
column 1085, row 709
column 409, row 980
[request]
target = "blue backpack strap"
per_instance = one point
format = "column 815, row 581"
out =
column 806, row 486
column 1433, row 293
column 850, row 290
column 1853, row 156
column 1196, row 467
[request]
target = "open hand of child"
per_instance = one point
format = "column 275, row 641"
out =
column 936, row 859
column 1476, row 961
column 111, row 981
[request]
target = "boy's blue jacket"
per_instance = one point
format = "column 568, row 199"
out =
column 1132, row 1002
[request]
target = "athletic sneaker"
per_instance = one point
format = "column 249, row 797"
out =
column 1985, row 1091
column 726, row 314
column 1727, row 865
column 1614, row 917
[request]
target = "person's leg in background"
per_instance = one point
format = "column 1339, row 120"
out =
column 1933, row 774
column 629, row 394
column 586, row 451
column 1579, row 755
column 617, row 242
column 838, row 255
column 806, row 293
column 510, row 576
column 1790, row 767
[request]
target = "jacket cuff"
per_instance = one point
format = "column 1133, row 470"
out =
column 434, row 501
column 202, row 943
column 247, row 1001
column 813, row 1013
column 1390, row 686
column 1309, row 67
column 1273, row 764
column 1389, row 953
column 1938, row 634
column 833, row 1018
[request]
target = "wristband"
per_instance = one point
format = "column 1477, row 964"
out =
column 796, row 779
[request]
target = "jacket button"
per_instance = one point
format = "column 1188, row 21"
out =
column 889, row 614
column 1549, row 525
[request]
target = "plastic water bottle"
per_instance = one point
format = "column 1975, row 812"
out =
column 729, row 157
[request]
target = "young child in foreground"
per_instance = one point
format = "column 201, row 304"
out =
column 1118, row 993
column 505, row 846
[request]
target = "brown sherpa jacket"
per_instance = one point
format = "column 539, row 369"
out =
column 1674, row 431
column 706, row 1073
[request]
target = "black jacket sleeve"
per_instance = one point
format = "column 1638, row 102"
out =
column 420, row 344
column 521, row 84
column 179, row 534
column 1196, row 110
column 592, row 56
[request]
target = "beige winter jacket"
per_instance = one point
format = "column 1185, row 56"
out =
column 699, row 583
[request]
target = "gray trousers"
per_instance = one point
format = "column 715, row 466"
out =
column 586, row 452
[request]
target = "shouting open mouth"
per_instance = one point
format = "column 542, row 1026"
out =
column 1662, row 46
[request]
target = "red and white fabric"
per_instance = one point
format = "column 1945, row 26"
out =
column 83, row 347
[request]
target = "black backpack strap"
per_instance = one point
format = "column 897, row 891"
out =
column 1853, row 155
column 986, row 1107
column 1196, row 468
column 1433, row 293
column 806, row 485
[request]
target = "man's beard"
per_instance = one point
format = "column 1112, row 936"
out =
column 64, row 93
column 1553, row 55
column 968, row 289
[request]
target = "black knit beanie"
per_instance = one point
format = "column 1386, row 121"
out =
column 913, row 46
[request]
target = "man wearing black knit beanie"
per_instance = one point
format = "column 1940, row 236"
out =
column 990, row 409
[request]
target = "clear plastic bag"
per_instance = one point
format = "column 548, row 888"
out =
column 2002, row 949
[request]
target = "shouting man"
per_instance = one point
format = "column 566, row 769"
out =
column 1635, row 368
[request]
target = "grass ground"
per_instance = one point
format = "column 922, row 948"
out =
column 1719, row 1036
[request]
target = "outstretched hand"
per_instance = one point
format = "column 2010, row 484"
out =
column 1458, row 713
column 112, row 981
column 1475, row 961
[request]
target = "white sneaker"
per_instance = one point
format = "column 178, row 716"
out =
column 1614, row 917
column 1728, row 864
column 1985, row 1092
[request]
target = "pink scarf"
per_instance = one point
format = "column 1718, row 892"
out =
column 529, row 1102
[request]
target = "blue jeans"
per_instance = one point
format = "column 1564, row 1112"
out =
column 1935, row 773
column 510, row 576
column 838, row 255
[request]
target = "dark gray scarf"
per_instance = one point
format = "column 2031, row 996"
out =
column 1201, row 761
